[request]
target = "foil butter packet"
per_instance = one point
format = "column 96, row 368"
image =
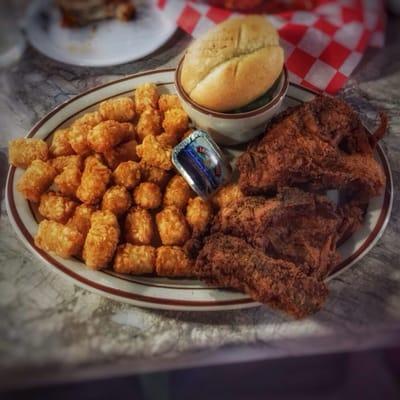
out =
column 201, row 163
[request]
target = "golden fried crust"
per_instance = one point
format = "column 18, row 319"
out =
column 68, row 181
column 187, row 133
column 108, row 134
column 36, row 179
column 172, row 261
column 21, row 152
column 55, row 207
column 94, row 181
column 135, row 260
column 198, row 214
column 101, row 240
column 147, row 195
column 124, row 152
column 177, row 192
column 127, row 174
column 168, row 101
column 172, row 226
column 77, row 138
column 62, row 240
column 167, row 140
column 81, row 219
column 121, row 109
column 61, row 162
column 154, row 174
column 60, row 145
column 117, row 200
column 146, row 96
column 176, row 122
column 149, row 123
column 227, row 195
column 138, row 226
column 154, row 154
column 90, row 119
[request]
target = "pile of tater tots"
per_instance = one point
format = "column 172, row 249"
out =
column 107, row 191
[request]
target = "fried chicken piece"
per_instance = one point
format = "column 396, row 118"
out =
column 81, row 219
column 124, row 152
column 295, row 226
column 60, row 145
column 135, row 260
column 149, row 123
column 95, row 179
column 138, row 227
column 36, row 180
column 117, row 200
column 108, row 134
column 147, row 195
column 121, row 109
column 57, row 208
column 230, row 262
column 101, row 240
column 318, row 145
column 154, row 154
column 172, row 226
column 21, row 152
column 172, row 261
column 65, row 241
column 146, row 96
column 127, row 174
column 177, row 193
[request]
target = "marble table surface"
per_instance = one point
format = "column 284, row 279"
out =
column 51, row 330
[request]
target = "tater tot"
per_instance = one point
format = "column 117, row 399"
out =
column 124, row 152
column 172, row 226
column 138, row 227
column 149, row 123
column 167, row 140
column 62, row 240
column 147, row 195
column 90, row 119
column 168, row 101
column 154, row 174
column 127, row 174
column 227, row 195
column 101, row 240
column 56, row 207
column 172, row 261
column 81, row 219
column 78, row 139
column 146, row 96
column 117, row 200
column 176, row 122
column 68, row 181
column 154, row 154
column 121, row 109
column 108, row 134
column 94, row 181
column 177, row 193
column 36, row 179
column 21, row 152
column 60, row 145
column 198, row 214
column 61, row 162
column 135, row 260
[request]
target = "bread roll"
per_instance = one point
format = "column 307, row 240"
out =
column 232, row 64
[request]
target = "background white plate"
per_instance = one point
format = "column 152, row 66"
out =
column 103, row 43
column 166, row 293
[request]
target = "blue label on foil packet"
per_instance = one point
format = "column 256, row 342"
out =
column 200, row 161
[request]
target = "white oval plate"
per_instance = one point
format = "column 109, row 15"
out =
column 103, row 43
column 163, row 293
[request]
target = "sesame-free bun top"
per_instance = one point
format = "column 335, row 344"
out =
column 232, row 64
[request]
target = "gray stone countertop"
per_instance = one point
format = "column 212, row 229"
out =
column 51, row 330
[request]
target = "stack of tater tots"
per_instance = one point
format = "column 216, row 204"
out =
column 106, row 187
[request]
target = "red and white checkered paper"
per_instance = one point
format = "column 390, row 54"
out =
column 322, row 46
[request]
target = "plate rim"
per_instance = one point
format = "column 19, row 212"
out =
column 175, row 304
column 34, row 43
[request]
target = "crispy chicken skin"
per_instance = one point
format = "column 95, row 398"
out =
column 318, row 145
column 231, row 262
column 296, row 226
